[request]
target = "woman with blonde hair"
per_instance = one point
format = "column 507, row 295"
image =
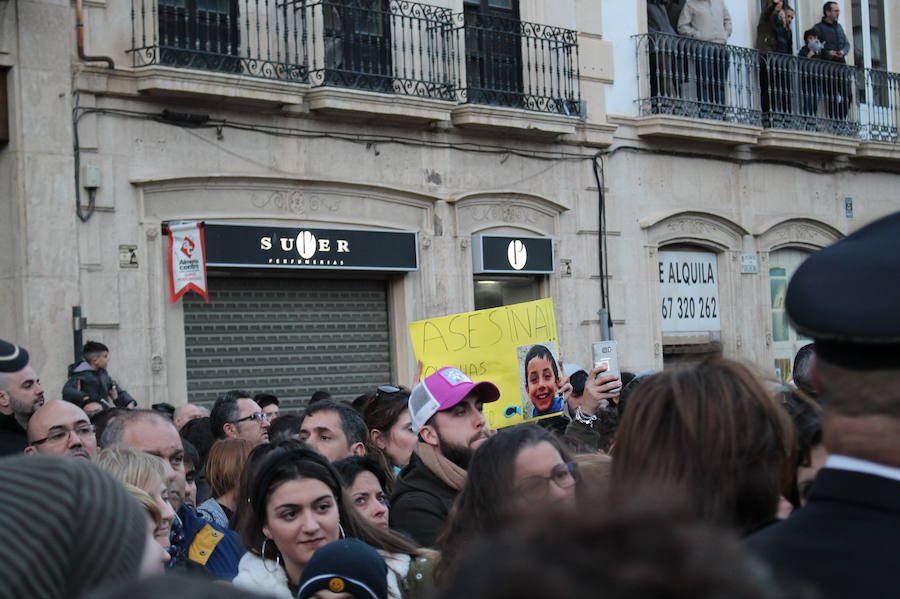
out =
column 155, row 556
column 224, row 465
column 146, row 472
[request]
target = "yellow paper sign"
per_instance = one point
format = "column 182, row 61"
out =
column 498, row 345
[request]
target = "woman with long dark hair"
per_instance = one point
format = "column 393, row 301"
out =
column 516, row 475
column 296, row 505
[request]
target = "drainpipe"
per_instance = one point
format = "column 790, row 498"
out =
column 79, row 32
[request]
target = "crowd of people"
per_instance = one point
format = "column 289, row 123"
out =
column 785, row 86
column 702, row 481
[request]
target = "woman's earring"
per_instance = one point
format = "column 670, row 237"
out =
column 341, row 531
column 262, row 552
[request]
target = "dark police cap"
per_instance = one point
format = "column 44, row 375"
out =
column 847, row 298
column 12, row 357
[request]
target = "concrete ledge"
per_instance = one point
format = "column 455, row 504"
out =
column 719, row 132
column 597, row 135
column 343, row 101
column 878, row 150
column 222, row 87
column 497, row 118
column 807, row 142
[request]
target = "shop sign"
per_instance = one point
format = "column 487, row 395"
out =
column 512, row 255
column 689, row 292
column 266, row 246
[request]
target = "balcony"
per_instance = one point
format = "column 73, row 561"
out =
column 738, row 95
column 356, row 54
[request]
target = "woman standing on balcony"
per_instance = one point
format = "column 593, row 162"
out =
column 774, row 36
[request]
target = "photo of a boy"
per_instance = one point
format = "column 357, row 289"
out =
column 541, row 383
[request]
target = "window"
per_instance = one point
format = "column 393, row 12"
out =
column 493, row 52
column 494, row 291
column 199, row 33
column 358, row 44
column 870, row 47
column 785, row 340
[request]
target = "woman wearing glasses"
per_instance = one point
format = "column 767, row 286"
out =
column 297, row 505
column 516, row 475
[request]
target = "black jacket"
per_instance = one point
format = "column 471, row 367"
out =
column 421, row 503
column 843, row 541
column 834, row 38
column 94, row 384
column 13, row 440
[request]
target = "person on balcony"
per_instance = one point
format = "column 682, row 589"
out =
column 708, row 21
column 665, row 70
column 810, row 86
column 837, row 83
column 774, row 36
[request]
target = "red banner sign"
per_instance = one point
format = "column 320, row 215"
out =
column 187, row 260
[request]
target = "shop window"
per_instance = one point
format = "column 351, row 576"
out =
column 493, row 291
column 785, row 340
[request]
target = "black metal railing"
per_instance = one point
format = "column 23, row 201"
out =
column 882, row 107
column 807, row 94
column 686, row 77
column 389, row 46
column 260, row 38
column 380, row 45
column 518, row 64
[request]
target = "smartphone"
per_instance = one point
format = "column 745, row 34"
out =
column 606, row 352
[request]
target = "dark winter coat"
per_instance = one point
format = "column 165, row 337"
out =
column 834, row 38
column 13, row 440
column 421, row 503
column 84, row 381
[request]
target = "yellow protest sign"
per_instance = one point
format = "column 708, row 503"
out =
column 515, row 347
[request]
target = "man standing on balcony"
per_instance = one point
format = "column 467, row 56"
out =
column 708, row 21
column 837, row 87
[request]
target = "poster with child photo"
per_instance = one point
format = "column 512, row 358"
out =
column 540, row 380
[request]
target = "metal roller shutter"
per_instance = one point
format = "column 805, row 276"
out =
column 289, row 337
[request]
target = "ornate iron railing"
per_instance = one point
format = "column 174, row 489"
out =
column 260, row 38
column 387, row 46
column 808, row 94
column 519, row 64
column 686, row 77
column 881, row 120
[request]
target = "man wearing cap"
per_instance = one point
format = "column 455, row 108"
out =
column 20, row 395
column 445, row 409
column 846, row 298
column 61, row 428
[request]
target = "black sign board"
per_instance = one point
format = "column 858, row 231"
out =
column 511, row 255
column 265, row 246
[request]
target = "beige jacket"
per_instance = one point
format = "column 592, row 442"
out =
column 706, row 20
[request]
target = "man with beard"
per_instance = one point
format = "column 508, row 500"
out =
column 61, row 428
column 446, row 414
column 20, row 395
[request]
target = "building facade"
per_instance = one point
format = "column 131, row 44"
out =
column 361, row 165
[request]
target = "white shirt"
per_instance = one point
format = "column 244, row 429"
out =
column 843, row 462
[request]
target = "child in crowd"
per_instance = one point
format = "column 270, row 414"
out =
column 90, row 382
column 344, row 569
column 542, row 382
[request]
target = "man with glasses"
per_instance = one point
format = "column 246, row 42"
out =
column 20, row 395
column 335, row 430
column 446, row 413
column 195, row 542
column 61, row 428
column 236, row 416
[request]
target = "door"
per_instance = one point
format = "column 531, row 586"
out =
column 493, row 52
column 785, row 340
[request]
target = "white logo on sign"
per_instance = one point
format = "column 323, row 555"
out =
column 517, row 254
column 306, row 245
column 455, row 376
